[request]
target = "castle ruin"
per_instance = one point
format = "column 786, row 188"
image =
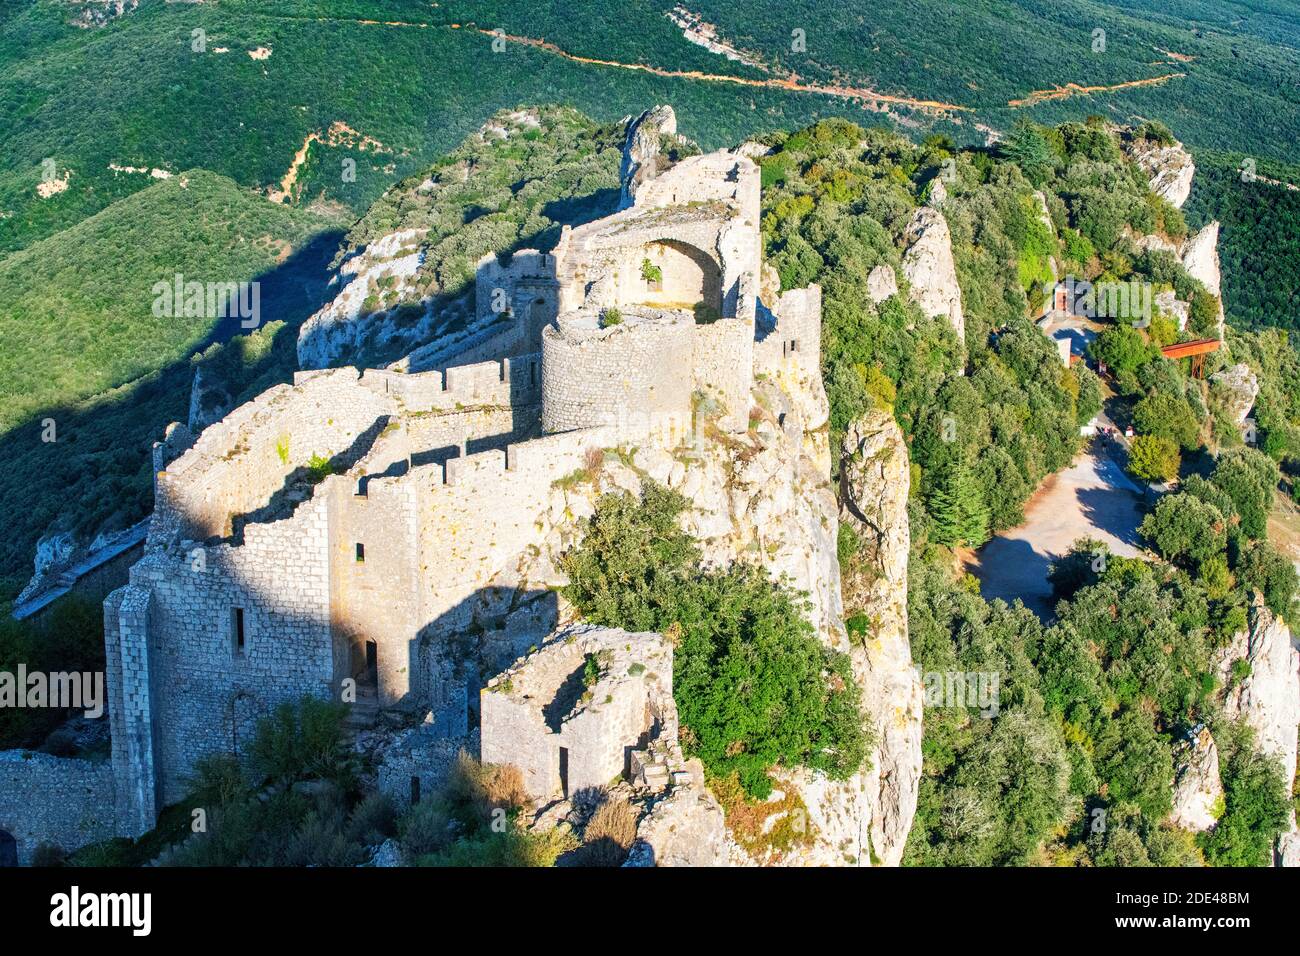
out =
column 362, row 528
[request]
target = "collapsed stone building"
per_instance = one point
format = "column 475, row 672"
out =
column 380, row 529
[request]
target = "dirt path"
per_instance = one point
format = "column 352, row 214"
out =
column 1075, row 89
column 789, row 83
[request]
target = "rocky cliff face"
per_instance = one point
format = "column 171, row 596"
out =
column 1236, row 389
column 929, row 267
column 365, row 310
column 1201, row 260
column 761, row 497
column 1198, row 791
column 874, row 486
column 641, row 157
column 1269, row 698
column 1169, row 169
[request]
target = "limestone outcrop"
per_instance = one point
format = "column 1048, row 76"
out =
column 1268, row 698
column 685, row 828
column 1236, row 389
column 641, row 156
column 1169, row 169
column 371, row 285
column 930, row 270
column 1198, row 790
column 874, row 484
column 882, row 283
column 1201, row 260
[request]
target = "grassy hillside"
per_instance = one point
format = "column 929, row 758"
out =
column 83, row 348
column 75, row 309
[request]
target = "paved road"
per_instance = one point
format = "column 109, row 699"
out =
column 1092, row 498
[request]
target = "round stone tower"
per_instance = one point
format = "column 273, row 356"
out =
column 630, row 369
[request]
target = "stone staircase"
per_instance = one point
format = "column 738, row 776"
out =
column 363, row 714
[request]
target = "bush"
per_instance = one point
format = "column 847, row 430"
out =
column 609, row 835
column 1255, row 810
column 302, row 741
column 1267, row 572
column 754, row 687
column 1154, row 458
column 1185, row 530
column 1168, row 417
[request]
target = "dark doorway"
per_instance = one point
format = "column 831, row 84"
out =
column 8, row 849
column 415, row 790
column 564, row 772
column 372, row 664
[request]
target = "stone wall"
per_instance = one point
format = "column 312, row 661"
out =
column 593, row 376
column 207, row 695
column 567, row 735
column 129, row 677
column 44, row 799
column 723, row 367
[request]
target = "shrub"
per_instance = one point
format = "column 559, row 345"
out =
column 1185, row 530
column 1168, row 417
column 609, row 835
column 301, row 741
column 1154, row 458
column 753, row 685
column 1264, row 570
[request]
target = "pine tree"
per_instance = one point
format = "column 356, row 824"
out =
column 957, row 509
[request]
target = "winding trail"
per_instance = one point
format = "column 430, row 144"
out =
column 1074, row 89
column 789, row 84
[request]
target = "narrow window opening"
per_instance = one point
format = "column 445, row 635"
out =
column 237, row 632
column 415, row 790
column 361, row 553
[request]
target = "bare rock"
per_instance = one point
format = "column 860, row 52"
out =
column 1201, row 260
column 929, row 267
column 1198, row 791
column 1288, row 849
column 882, row 283
column 1169, row 169
column 875, row 477
column 686, row 828
column 1236, row 388
column 641, row 157
column 1268, row 699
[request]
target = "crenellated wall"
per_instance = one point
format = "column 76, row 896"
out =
column 413, row 537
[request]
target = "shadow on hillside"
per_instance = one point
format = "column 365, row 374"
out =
column 98, row 472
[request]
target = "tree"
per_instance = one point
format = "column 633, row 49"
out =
column 1028, row 147
column 1249, row 478
column 1255, row 810
column 1153, row 458
column 1122, row 348
column 958, row 509
column 1168, row 417
column 1264, row 570
column 1185, row 530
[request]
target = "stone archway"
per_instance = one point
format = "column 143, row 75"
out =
column 674, row 274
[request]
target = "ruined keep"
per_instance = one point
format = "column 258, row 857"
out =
column 364, row 530
column 591, row 706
